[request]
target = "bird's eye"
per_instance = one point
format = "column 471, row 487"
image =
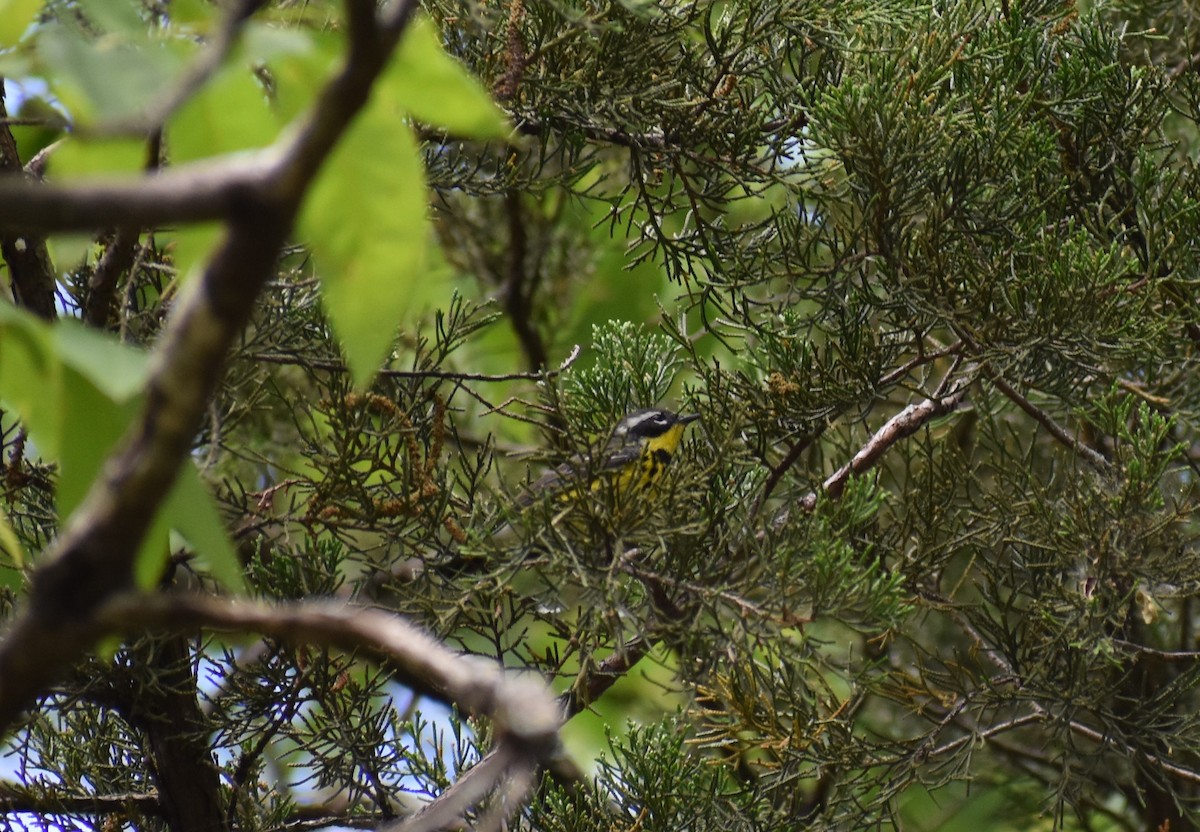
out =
column 661, row 419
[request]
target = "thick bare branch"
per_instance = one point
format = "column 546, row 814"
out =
column 192, row 193
column 521, row 708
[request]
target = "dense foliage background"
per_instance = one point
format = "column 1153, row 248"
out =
column 928, row 272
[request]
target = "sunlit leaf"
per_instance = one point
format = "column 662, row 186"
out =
column 191, row 511
column 434, row 88
column 105, row 80
column 368, row 225
column 15, row 17
column 228, row 115
column 77, row 157
column 299, row 73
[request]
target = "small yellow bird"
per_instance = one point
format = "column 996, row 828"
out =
column 634, row 458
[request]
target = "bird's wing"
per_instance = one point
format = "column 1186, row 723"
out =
column 575, row 469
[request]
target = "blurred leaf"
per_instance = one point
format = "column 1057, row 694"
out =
column 10, row 547
column 154, row 552
column 436, row 89
column 191, row 511
column 75, row 389
column 300, row 72
column 190, row 247
column 228, row 115
column 92, row 424
column 77, row 157
column 368, row 225
column 108, row 79
column 15, row 17
column 116, row 369
column 114, row 17
column 69, row 251
column 30, row 377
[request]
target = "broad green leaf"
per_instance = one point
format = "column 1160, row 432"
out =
column 69, row 251
column 262, row 43
column 15, row 17
column 152, row 555
column 190, row 246
column 106, row 79
column 436, row 89
column 77, row 157
column 300, row 73
column 92, row 425
column 193, row 15
column 191, row 511
column 228, row 115
column 116, row 369
column 367, row 222
column 12, row 553
column 114, row 17
column 76, row 390
column 31, row 377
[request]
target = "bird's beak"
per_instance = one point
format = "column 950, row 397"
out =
column 685, row 418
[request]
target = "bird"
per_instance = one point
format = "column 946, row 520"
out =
column 633, row 459
column 630, row 464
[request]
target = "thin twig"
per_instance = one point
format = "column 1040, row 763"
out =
column 340, row 367
column 1089, row 455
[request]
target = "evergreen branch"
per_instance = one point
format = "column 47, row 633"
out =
column 805, row 442
column 593, row 682
column 1102, row 738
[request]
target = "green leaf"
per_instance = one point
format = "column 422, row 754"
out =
column 75, row 389
column 154, row 552
column 117, row 370
column 114, row 17
column 92, row 425
column 298, row 73
column 190, row 246
column 77, row 157
column 367, row 222
column 11, row 550
column 15, row 17
column 70, row 251
column 110, row 79
column 229, row 114
column 433, row 87
column 30, row 377
column 191, row 511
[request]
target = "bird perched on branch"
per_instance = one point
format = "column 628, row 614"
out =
column 637, row 452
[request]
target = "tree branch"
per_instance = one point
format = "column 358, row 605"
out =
column 29, row 265
column 521, row 709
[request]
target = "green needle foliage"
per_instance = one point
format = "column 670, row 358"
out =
column 928, row 272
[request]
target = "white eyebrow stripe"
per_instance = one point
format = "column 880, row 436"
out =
column 641, row 420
